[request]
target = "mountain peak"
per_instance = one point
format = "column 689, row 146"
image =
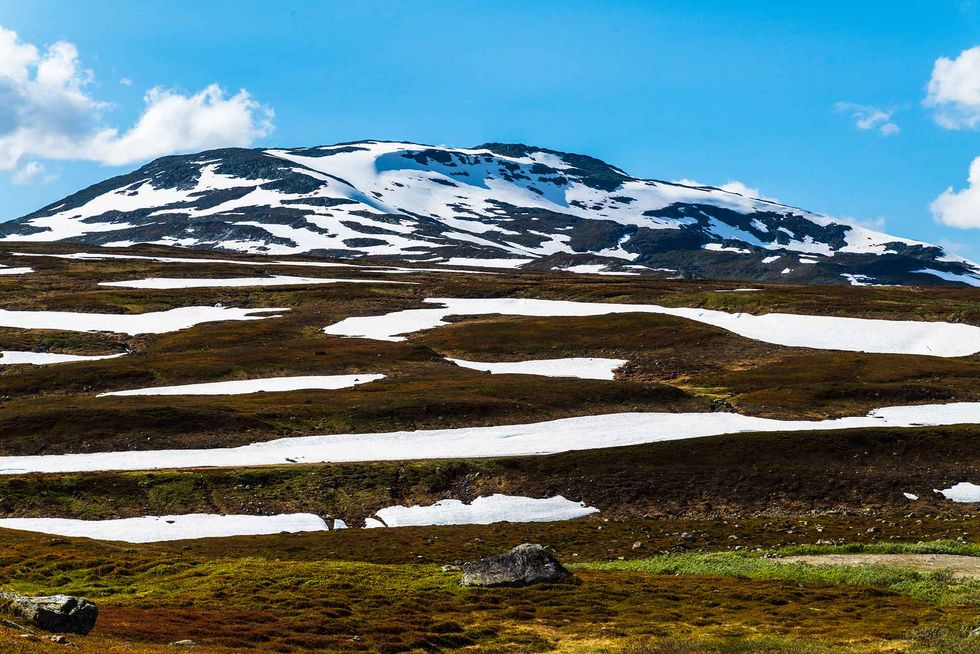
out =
column 501, row 204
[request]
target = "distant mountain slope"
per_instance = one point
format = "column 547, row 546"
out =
column 505, row 205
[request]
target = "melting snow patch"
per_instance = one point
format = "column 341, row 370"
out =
column 13, row 357
column 821, row 332
column 487, row 263
column 482, row 511
column 151, row 529
column 961, row 492
column 278, row 280
column 718, row 247
column 969, row 280
column 593, row 269
column 859, row 280
column 243, row 386
column 156, row 322
column 567, row 434
column 15, row 271
column 99, row 256
column 910, row 496
column 581, row 367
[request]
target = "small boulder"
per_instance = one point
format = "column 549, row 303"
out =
column 522, row 566
column 183, row 643
column 58, row 613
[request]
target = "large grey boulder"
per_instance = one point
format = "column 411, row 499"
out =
column 57, row 613
column 522, row 566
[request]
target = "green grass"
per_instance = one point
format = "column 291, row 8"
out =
column 939, row 587
column 933, row 547
column 262, row 603
column 742, row 645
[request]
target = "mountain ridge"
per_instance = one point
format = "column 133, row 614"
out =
column 497, row 204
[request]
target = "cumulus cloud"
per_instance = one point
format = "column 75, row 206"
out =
column 46, row 112
column 874, row 224
column 960, row 208
column 870, row 118
column 732, row 186
column 31, row 172
column 172, row 122
column 735, row 186
column 955, row 247
column 954, row 90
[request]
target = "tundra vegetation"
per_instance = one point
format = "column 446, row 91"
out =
column 678, row 560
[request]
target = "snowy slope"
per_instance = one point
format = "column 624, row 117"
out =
column 499, row 205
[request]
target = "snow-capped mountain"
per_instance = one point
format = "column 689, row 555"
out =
column 502, row 205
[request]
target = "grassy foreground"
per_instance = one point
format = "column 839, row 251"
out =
column 149, row 597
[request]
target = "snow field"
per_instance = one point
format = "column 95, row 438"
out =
column 580, row 367
column 566, row 434
column 244, row 386
column 941, row 339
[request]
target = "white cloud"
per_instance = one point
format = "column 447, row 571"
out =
column 870, row 118
column 954, row 90
column 176, row 123
column 955, row 247
column 125, row 81
column 960, row 208
column 874, row 224
column 732, row 186
column 46, row 112
column 31, row 172
column 735, row 186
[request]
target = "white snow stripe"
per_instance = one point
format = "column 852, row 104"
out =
column 963, row 492
column 581, row 367
column 15, row 357
column 100, row 256
column 152, row 529
column 243, row 386
column 567, row 434
column 232, row 282
column 483, row 511
column 155, row 322
column 941, row 339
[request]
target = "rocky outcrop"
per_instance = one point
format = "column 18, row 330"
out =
column 57, row 613
column 522, row 566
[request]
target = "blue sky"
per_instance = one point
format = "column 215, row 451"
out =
column 768, row 94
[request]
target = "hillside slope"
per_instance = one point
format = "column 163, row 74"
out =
column 501, row 205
